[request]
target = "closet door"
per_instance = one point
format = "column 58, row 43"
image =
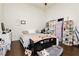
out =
column 59, row 29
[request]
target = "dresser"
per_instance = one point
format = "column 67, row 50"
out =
column 6, row 37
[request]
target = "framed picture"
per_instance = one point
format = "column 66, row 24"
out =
column 23, row 21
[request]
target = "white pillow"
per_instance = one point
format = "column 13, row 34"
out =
column 31, row 31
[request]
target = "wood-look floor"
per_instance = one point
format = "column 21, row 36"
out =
column 70, row 50
column 18, row 50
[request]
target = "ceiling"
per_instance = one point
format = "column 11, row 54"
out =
column 42, row 5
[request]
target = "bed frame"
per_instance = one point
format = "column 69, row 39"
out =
column 40, row 45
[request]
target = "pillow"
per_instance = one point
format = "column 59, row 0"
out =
column 32, row 31
column 25, row 32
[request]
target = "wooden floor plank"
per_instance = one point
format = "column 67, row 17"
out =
column 18, row 50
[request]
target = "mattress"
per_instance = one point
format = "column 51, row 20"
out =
column 35, row 37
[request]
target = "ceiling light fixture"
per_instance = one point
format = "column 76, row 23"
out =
column 45, row 4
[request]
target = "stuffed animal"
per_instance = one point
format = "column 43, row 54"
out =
column 28, row 52
column 44, row 53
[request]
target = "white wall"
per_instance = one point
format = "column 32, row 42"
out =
column 35, row 17
column 1, row 12
column 14, row 13
column 1, row 15
column 65, row 10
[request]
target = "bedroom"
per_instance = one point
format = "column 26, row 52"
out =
column 33, row 17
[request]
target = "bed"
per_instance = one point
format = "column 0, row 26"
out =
column 31, row 41
column 35, row 37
